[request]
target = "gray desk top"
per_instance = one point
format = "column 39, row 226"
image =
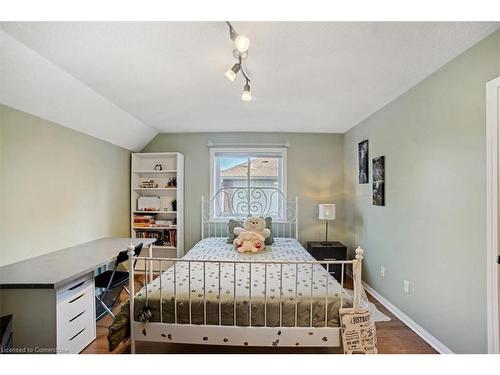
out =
column 52, row 270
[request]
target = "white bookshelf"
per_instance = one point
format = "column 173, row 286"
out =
column 143, row 169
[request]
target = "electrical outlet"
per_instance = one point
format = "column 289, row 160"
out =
column 382, row 271
column 406, row 286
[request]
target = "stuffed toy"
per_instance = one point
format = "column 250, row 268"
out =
column 249, row 242
column 256, row 224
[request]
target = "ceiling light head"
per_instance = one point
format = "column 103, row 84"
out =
column 242, row 43
column 247, row 94
column 231, row 73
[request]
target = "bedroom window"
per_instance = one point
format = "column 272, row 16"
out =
column 247, row 180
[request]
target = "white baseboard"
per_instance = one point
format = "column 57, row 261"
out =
column 425, row 335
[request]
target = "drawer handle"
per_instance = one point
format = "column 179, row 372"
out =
column 77, row 334
column 83, row 312
column 77, row 285
column 74, row 299
column 327, row 259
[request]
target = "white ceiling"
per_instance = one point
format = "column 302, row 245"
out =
column 306, row 76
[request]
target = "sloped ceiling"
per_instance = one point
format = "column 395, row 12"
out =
column 124, row 82
column 32, row 84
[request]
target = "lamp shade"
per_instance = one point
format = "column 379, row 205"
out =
column 327, row 211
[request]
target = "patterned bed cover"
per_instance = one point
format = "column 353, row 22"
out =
column 215, row 249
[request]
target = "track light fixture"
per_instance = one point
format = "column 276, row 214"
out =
column 240, row 53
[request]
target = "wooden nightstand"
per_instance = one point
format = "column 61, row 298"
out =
column 333, row 251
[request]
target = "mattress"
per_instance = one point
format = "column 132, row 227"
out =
column 249, row 292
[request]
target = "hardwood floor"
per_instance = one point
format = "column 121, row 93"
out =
column 393, row 337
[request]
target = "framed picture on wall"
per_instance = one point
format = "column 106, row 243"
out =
column 363, row 161
column 378, row 197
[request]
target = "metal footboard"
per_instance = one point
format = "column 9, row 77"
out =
column 221, row 332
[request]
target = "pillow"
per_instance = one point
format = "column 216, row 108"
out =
column 231, row 224
column 269, row 225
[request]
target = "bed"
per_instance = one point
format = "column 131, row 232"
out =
column 215, row 295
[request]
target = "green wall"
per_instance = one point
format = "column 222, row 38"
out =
column 315, row 174
column 432, row 230
column 58, row 187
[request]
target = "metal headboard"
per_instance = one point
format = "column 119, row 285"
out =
column 238, row 202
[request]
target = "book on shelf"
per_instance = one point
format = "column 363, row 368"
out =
column 159, row 226
column 148, row 221
column 167, row 237
column 143, row 220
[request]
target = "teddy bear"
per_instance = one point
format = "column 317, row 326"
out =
column 249, row 242
column 256, row 224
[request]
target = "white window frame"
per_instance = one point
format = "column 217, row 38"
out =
column 245, row 151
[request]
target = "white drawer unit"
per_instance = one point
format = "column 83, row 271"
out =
column 76, row 315
column 51, row 297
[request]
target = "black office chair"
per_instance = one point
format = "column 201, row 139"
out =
column 113, row 279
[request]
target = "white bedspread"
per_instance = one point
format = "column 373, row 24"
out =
column 249, row 290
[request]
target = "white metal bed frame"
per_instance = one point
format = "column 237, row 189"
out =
column 285, row 224
column 238, row 202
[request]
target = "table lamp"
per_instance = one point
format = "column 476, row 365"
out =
column 327, row 213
